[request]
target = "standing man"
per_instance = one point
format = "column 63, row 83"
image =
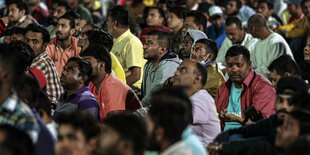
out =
column 193, row 76
column 161, row 64
column 64, row 46
column 127, row 47
column 37, row 38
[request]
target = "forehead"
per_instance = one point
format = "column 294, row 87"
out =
column 89, row 59
column 72, row 64
column 13, row 6
column 201, row 45
column 34, row 35
column 236, row 59
column 60, row 7
column 154, row 11
column 232, row 2
column 231, row 27
column 86, row 28
column 188, row 64
column 151, row 37
column 190, row 19
column 63, row 21
column 263, row 4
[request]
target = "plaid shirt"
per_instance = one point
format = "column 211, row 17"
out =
column 16, row 113
column 47, row 66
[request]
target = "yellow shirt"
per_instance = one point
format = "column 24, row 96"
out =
column 296, row 29
column 129, row 51
column 215, row 78
column 117, row 68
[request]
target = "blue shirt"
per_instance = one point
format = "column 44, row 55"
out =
column 218, row 35
column 234, row 106
column 82, row 100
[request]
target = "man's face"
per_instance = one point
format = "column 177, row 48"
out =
column 307, row 51
column 189, row 24
column 306, row 9
column 253, row 32
column 71, row 141
column 292, row 8
column 274, row 78
column 18, row 37
column 287, row 133
column 35, row 41
column 59, row 11
column 185, row 76
column 70, row 78
column 187, row 44
column 83, row 38
column 264, row 10
column 199, row 52
column 237, row 68
column 94, row 65
column 283, row 105
column 152, row 143
column 63, row 29
column 108, row 142
column 110, row 26
column 153, row 18
column 14, row 13
column 231, row 8
column 234, row 34
column 217, row 22
column 73, row 3
column 151, row 47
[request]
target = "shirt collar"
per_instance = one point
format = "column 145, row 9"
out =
column 77, row 92
column 122, row 36
column 22, row 19
column 246, row 81
column 71, row 47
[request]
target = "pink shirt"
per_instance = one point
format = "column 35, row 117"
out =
column 256, row 91
column 60, row 56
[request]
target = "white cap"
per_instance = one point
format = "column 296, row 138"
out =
column 215, row 10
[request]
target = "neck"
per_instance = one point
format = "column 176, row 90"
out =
column 4, row 95
column 165, row 145
column 97, row 81
column 119, row 32
column 65, row 43
column 297, row 14
column 192, row 90
column 70, row 92
column 155, row 62
column 243, row 36
column 177, row 29
column 265, row 32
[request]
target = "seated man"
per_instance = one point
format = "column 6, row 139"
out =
column 112, row 94
column 216, row 31
column 77, row 97
column 192, row 75
column 205, row 51
column 244, row 88
column 161, row 64
column 190, row 38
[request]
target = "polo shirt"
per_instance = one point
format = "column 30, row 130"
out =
column 117, row 68
column 129, row 51
column 82, row 100
column 61, row 56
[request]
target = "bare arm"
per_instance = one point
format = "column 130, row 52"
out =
column 134, row 76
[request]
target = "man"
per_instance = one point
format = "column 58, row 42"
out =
column 195, row 20
column 64, row 46
column 163, row 135
column 85, row 15
column 244, row 88
column 127, row 48
column 61, row 8
column 37, row 38
column 236, row 35
column 161, row 64
column 14, row 34
column 294, row 8
column 96, row 9
column 216, row 31
column 111, row 93
column 77, row 97
column 269, row 46
column 12, row 110
column 193, row 76
column 18, row 14
column 91, row 36
column 123, row 134
column 265, row 7
column 205, row 52
column 38, row 11
column 235, row 8
column 283, row 66
column 190, row 38
column 305, row 63
column 77, row 134
column 265, row 129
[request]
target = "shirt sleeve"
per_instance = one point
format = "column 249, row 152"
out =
column 134, row 54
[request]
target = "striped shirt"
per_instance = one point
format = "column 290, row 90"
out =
column 47, row 66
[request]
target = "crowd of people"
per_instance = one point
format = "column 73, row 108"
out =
column 147, row 77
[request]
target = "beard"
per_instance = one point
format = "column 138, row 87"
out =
column 63, row 36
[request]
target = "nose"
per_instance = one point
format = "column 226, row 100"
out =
column 229, row 37
column 176, row 73
column 10, row 13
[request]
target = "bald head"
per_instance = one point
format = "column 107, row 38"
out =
column 257, row 20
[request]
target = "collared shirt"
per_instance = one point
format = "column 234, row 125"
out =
column 16, row 113
column 61, row 56
column 52, row 31
column 256, row 91
column 40, row 15
column 82, row 100
column 129, row 51
column 114, row 95
column 178, row 148
column 47, row 66
column 23, row 22
column 117, row 68
column 215, row 78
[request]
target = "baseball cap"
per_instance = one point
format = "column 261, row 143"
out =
column 298, row 2
column 215, row 11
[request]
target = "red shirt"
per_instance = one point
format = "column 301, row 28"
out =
column 256, row 91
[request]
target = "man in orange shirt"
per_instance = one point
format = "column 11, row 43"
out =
column 64, row 46
column 112, row 94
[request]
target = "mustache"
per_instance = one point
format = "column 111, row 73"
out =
column 283, row 111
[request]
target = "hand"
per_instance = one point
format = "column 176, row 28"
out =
column 215, row 148
column 225, row 117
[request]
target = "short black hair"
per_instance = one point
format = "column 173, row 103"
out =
column 81, row 121
column 8, row 31
column 238, row 50
column 210, row 45
column 269, row 4
column 160, row 11
column 69, row 17
column 283, row 64
column 163, row 37
column 85, row 68
column 172, row 110
column 238, row 3
column 121, row 15
column 180, row 12
column 20, row 4
column 129, row 127
column 18, row 30
column 100, row 53
column 64, row 4
column 27, row 89
column 201, row 70
column 303, row 2
column 200, row 18
column 39, row 29
column 97, row 36
column 204, row 7
column 233, row 20
column 44, row 103
column 25, row 51
column 15, row 141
